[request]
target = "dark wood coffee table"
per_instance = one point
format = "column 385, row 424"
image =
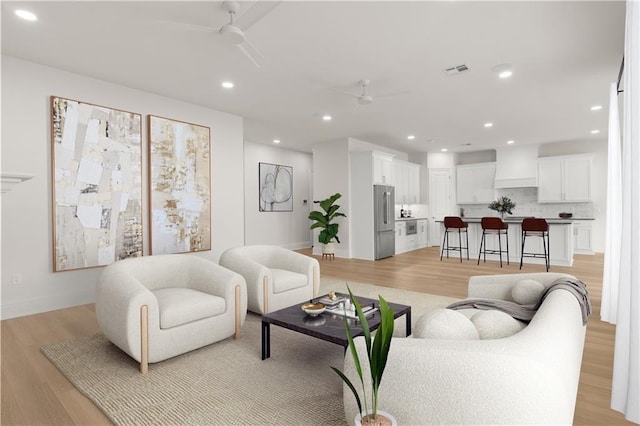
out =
column 326, row 326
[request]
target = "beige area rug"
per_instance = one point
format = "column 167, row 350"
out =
column 225, row 383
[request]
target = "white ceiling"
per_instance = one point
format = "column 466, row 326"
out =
column 564, row 56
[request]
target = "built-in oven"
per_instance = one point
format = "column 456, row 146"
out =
column 412, row 227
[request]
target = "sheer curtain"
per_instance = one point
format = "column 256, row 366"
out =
column 613, row 233
column 625, row 395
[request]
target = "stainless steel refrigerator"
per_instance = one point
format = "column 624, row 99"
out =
column 384, row 221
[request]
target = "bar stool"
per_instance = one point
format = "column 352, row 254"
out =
column 454, row 224
column 495, row 226
column 534, row 227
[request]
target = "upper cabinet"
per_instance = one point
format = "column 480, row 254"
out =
column 382, row 168
column 475, row 183
column 565, row 179
column 406, row 178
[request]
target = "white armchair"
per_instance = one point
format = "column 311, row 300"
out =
column 276, row 277
column 157, row 307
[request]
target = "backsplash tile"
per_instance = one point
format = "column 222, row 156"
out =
column 526, row 200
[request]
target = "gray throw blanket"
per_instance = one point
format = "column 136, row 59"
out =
column 526, row 312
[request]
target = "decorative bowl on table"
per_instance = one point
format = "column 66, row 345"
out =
column 314, row 309
column 565, row 215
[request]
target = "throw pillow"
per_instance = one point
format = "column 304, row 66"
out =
column 444, row 324
column 527, row 292
column 496, row 324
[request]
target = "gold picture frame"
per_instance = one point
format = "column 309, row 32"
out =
column 96, row 184
column 179, row 186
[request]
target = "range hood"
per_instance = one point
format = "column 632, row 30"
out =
column 517, row 167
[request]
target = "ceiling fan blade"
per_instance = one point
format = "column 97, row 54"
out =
column 186, row 26
column 385, row 95
column 355, row 95
column 243, row 48
column 254, row 13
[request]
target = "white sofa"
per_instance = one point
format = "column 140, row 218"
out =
column 276, row 277
column 157, row 307
column 529, row 377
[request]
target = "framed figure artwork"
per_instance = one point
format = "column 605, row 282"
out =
column 275, row 188
column 96, row 184
column 179, row 186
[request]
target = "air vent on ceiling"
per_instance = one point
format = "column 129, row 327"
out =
column 456, row 70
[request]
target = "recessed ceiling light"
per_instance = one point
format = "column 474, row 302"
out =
column 595, row 132
column 510, row 142
column 503, row 70
column 326, row 117
column 276, row 141
column 596, row 108
column 411, row 137
column 227, row 85
column 487, row 125
column 443, row 150
column 26, row 15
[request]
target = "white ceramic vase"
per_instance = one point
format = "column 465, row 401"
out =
column 358, row 418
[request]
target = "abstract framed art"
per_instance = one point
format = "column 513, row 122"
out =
column 275, row 188
column 96, row 184
column 179, row 186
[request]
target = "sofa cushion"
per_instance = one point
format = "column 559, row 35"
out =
column 494, row 324
column 444, row 324
column 183, row 305
column 287, row 280
column 527, row 292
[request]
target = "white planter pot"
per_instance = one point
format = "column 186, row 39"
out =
column 392, row 419
column 329, row 248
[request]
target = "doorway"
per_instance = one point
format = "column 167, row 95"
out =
column 439, row 202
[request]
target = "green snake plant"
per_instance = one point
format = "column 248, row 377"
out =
column 377, row 353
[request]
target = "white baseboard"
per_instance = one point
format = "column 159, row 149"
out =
column 37, row 306
column 297, row 246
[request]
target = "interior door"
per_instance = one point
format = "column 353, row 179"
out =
column 439, row 202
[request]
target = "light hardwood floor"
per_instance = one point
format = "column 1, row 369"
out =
column 35, row 393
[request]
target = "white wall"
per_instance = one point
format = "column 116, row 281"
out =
column 487, row 156
column 360, row 145
column 361, row 221
column 331, row 175
column 26, row 211
column 285, row 229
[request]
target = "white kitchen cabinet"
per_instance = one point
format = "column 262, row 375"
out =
column 475, row 183
column 400, row 238
column 407, row 182
column 565, row 179
column 422, row 232
column 413, row 184
column 582, row 231
column 404, row 242
column 400, row 179
column 382, row 168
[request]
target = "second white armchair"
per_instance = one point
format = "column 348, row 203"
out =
column 276, row 277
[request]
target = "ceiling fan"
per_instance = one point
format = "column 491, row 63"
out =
column 364, row 98
column 233, row 32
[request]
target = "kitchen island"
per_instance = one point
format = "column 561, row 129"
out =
column 560, row 241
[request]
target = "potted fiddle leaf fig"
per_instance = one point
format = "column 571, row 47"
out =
column 325, row 220
column 377, row 354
